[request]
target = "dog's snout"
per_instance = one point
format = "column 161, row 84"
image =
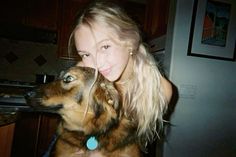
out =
column 30, row 94
column 33, row 97
column 33, row 93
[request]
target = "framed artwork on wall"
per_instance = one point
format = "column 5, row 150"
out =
column 213, row 29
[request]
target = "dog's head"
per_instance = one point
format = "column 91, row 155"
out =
column 85, row 104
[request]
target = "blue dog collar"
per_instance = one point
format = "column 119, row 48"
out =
column 92, row 143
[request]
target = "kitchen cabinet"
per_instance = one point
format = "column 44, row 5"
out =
column 156, row 20
column 12, row 12
column 33, row 134
column 136, row 11
column 70, row 8
column 6, row 138
column 35, row 13
column 42, row 14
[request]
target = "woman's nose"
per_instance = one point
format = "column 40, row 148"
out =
column 101, row 60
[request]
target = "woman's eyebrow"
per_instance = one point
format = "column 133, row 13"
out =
column 81, row 51
column 103, row 40
column 78, row 51
column 99, row 42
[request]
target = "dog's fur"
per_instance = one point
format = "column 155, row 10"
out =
column 87, row 112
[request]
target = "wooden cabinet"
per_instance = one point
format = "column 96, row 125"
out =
column 42, row 14
column 46, row 131
column 33, row 134
column 136, row 11
column 70, row 8
column 36, row 13
column 156, row 18
column 6, row 138
column 12, row 12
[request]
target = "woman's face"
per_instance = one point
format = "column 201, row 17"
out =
column 98, row 49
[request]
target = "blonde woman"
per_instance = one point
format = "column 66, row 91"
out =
column 108, row 40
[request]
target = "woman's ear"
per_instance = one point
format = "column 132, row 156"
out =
column 130, row 47
column 130, row 51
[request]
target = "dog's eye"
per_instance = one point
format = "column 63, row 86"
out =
column 68, row 79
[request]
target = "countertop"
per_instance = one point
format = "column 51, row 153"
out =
column 9, row 111
column 7, row 117
column 12, row 101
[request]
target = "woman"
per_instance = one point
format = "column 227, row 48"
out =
column 108, row 40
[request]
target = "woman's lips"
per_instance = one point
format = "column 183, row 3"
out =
column 105, row 72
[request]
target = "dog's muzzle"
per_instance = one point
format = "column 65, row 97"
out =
column 34, row 99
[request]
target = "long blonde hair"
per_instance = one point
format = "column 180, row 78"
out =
column 143, row 96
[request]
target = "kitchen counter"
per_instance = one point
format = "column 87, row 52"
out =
column 9, row 111
column 12, row 100
column 7, row 117
column 14, row 107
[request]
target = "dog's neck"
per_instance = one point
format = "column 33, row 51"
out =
column 80, row 140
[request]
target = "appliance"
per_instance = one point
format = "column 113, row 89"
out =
column 12, row 95
column 157, row 44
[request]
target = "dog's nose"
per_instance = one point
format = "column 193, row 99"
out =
column 34, row 93
column 33, row 97
column 30, row 94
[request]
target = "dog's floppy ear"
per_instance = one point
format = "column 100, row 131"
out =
column 106, row 97
column 106, row 106
column 111, row 94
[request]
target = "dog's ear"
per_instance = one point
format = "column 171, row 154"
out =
column 111, row 94
column 106, row 106
column 106, row 97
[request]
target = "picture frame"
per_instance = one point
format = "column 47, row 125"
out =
column 213, row 29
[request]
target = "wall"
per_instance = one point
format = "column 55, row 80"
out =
column 203, row 121
column 21, row 60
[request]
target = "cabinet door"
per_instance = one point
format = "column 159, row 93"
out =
column 70, row 8
column 43, row 14
column 33, row 133
column 26, row 135
column 6, row 138
column 136, row 11
column 48, row 128
column 156, row 18
column 12, row 11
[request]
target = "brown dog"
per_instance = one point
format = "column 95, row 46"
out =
column 92, row 116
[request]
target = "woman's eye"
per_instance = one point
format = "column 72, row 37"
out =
column 104, row 47
column 84, row 55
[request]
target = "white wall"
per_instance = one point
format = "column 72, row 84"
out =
column 204, row 119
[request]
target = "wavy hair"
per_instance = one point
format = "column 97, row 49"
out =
column 143, row 100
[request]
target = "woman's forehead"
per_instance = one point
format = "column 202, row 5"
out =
column 93, row 35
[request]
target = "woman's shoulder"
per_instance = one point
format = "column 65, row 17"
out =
column 167, row 87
